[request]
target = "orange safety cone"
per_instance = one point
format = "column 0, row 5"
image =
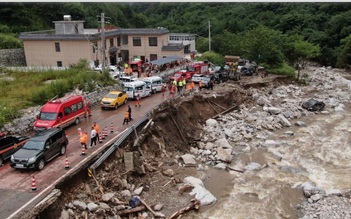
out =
column 34, row 184
column 111, row 128
column 83, row 150
column 100, row 138
column 102, row 134
column 106, row 132
column 66, row 163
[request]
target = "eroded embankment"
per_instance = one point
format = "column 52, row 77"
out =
column 175, row 126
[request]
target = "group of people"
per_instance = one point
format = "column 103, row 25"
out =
column 94, row 136
column 179, row 86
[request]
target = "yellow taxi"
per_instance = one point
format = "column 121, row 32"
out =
column 114, row 99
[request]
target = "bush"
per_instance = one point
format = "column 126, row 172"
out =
column 283, row 69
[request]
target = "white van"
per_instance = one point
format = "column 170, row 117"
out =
column 137, row 87
column 155, row 82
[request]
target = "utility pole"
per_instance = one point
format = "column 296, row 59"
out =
column 209, row 36
column 103, row 46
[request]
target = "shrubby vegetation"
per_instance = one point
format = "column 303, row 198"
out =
column 36, row 88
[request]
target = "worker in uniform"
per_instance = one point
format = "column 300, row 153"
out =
column 97, row 129
column 88, row 107
column 130, row 113
column 163, row 89
column 93, row 136
column 126, row 117
column 200, row 85
column 192, row 84
column 83, row 140
column 137, row 100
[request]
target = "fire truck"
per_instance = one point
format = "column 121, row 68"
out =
column 198, row 68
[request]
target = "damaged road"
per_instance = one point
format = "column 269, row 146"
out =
column 245, row 145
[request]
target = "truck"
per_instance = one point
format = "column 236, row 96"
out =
column 198, row 68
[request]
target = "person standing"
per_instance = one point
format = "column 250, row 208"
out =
column 126, row 117
column 192, row 87
column 137, row 100
column 200, row 85
column 88, row 107
column 97, row 129
column 130, row 113
column 163, row 89
column 84, row 139
column 93, row 137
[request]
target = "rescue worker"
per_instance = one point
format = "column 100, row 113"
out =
column 174, row 88
column 83, row 140
column 97, row 129
column 126, row 117
column 192, row 87
column 200, row 85
column 163, row 89
column 179, row 86
column 130, row 71
column 88, row 107
column 139, row 72
column 137, row 103
column 184, row 84
column 188, row 88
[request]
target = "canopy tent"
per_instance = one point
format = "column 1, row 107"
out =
column 165, row 60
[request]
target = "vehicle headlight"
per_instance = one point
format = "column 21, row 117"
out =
column 12, row 158
column 31, row 160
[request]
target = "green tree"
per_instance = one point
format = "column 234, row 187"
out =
column 213, row 57
column 300, row 51
column 344, row 58
column 8, row 41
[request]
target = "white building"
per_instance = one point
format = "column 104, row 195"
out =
column 186, row 39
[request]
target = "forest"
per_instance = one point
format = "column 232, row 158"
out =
column 270, row 33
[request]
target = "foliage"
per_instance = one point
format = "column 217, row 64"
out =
column 212, row 57
column 344, row 58
column 42, row 86
column 8, row 41
column 282, row 69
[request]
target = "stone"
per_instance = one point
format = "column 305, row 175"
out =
column 223, row 143
column 269, row 143
column 300, row 123
column 108, row 196
column 284, row 121
column 253, row 166
column 168, row 172
column 224, row 155
column 289, row 133
column 80, row 205
column 212, row 122
column 188, row 159
column 272, row 110
column 103, row 205
column 92, row 206
column 138, row 190
column 221, row 166
column 209, row 145
column 64, row 214
column 126, row 193
column 158, row 207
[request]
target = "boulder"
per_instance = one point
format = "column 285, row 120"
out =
column 80, row 205
column 188, row 159
column 108, row 196
column 92, row 206
column 224, row 155
column 211, row 122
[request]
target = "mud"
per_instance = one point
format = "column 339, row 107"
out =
column 177, row 125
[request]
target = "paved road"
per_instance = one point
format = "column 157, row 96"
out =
column 15, row 185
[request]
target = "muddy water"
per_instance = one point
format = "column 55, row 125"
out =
column 319, row 153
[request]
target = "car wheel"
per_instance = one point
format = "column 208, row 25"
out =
column 1, row 161
column 76, row 121
column 41, row 164
column 116, row 106
column 63, row 150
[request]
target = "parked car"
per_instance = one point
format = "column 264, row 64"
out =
column 40, row 149
column 220, row 77
column 114, row 99
column 196, row 78
column 181, row 74
column 61, row 112
column 205, row 80
column 9, row 144
column 313, row 105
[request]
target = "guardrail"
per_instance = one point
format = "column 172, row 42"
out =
column 119, row 141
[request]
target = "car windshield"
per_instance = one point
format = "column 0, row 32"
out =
column 147, row 82
column 47, row 116
column 112, row 96
column 128, row 89
column 33, row 145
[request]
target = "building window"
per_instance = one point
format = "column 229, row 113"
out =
column 118, row 41
column 152, row 41
column 136, row 41
column 111, row 42
column 153, row 57
column 57, row 47
column 59, row 63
